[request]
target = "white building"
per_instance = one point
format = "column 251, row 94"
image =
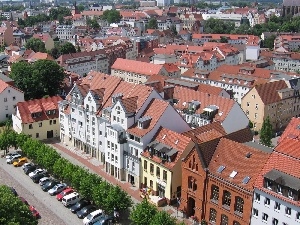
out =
column 163, row 2
column 65, row 32
column 9, row 97
column 276, row 194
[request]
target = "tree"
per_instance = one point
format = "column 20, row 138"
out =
column 35, row 45
column 224, row 39
column 47, row 75
column 67, row 48
column 162, row 217
column 269, row 42
column 266, row 133
column 54, row 52
column 152, row 24
column 216, row 26
column 93, row 23
column 81, row 7
column 12, row 210
column 142, row 213
column 112, row 16
column 173, row 30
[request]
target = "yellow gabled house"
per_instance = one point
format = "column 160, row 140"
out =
column 38, row 118
column 161, row 166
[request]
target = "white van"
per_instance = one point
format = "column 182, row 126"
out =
column 93, row 217
column 70, row 199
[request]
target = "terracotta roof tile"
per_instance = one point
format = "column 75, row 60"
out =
column 130, row 104
column 155, row 110
column 172, row 139
column 269, row 92
column 170, row 67
column 3, row 86
column 38, row 105
column 232, row 155
column 137, row 67
column 282, row 163
column 289, row 146
column 292, row 130
column 185, row 95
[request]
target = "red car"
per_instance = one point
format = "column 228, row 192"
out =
column 64, row 193
column 34, row 212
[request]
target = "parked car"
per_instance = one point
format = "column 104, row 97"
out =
column 106, row 220
column 67, row 191
column 36, row 178
column 11, row 154
column 29, row 169
column 79, row 205
column 13, row 159
column 34, row 212
column 49, row 184
column 20, row 162
column 93, row 217
column 13, row 191
column 37, row 171
column 25, row 165
column 85, row 211
column 57, row 189
column 23, row 200
column 43, row 180
column 70, row 199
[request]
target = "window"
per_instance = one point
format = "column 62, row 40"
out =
column 50, row 122
column 277, row 206
column 165, row 175
column 214, row 193
column 151, row 168
column 158, row 172
column 290, row 194
column 151, row 183
column 255, row 115
column 267, row 201
column 257, row 197
column 248, row 104
column 269, row 184
column 127, row 163
column 133, row 166
column 265, row 217
column 37, row 135
column 279, row 189
column 224, row 219
column 40, row 124
column 226, row 198
column 145, row 165
column 5, row 99
column 236, row 223
column 30, row 126
column 239, row 204
column 54, row 121
column 255, row 212
column 298, row 216
column 288, row 211
column 212, row 215
column 275, row 221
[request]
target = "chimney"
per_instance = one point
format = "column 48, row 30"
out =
column 169, row 92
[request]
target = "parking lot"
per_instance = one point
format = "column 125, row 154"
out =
column 51, row 210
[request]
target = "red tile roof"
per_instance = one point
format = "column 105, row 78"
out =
column 155, row 110
column 269, row 92
column 137, row 67
column 3, row 85
column 172, row 139
column 232, row 155
column 42, row 37
column 38, row 105
column 282, row 163
column 289, row 146
column 185, row 95
column 171, row 68
column 292, row 130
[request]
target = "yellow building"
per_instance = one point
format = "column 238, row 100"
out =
column 161, row 165
column 274, row 99
column 38, row 118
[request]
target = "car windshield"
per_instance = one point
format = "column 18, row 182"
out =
column 89, row 217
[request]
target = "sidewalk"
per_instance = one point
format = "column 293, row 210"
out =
column 78, row 157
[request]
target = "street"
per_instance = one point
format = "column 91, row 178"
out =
column 51, row 210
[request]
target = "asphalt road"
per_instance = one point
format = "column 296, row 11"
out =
column 51, row 210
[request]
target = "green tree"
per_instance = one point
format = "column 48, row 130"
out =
column 93, row 23
column 54, row 52
column 35, row 45
column 269, row 42
column 224, row 39
column 142, row 213
column 152, row 24
column 112, row 16
column 55, row 12
column 67, row 48
column 266, row 133
column 216, row 26
column 162, row 217
column 43, row 77
column 12, row 210
column 81, row 7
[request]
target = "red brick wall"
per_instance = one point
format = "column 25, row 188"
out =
column 245, row 219
column 186, row 193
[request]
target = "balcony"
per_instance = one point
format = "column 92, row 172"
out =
column 238, row 213
column 131, row 155
column 227, row 207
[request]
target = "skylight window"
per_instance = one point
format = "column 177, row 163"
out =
column 233, row 174
column 246, row 180
column 220, row 169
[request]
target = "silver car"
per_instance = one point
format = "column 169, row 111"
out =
column 13, row 159
column 57, row 189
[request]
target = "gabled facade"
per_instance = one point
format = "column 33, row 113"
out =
column 38, row 118
column 9, row 96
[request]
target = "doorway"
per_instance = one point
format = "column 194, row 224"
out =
column 191, row 207
column 50, row 134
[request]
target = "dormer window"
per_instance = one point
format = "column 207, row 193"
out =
column 269, row 184
column 279, row 189
column 290, row 194
column 144, row 122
